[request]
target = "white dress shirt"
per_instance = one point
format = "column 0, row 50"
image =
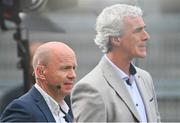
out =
column 133, row 91
column 54, row 106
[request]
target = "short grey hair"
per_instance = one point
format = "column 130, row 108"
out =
column 110, row 21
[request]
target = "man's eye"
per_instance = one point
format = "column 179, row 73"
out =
column 66, row 68
column 74, row 68
column 138, row 30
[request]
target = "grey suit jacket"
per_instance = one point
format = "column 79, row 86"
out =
column 101, row 96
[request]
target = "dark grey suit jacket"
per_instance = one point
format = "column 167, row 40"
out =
column 31, row 107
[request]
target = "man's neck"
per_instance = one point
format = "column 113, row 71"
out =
column 121, row 62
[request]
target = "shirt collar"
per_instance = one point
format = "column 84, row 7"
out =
column 132, row 69
column 53, row 105
column 122, row 74
column 64, row 106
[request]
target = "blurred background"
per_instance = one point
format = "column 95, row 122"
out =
column 73, row 22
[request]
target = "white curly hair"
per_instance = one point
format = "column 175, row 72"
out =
column 110, row 21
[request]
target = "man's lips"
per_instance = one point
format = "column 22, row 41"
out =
column 142, row 45
column 68, row 83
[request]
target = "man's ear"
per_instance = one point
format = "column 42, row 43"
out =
column 115, row 41
column 40, row 70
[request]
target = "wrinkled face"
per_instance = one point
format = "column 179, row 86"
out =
column 60, row 74
column 134, row 37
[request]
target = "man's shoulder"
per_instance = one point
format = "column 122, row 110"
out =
column 142, row 71
column 18, row 110
column 91, row 82
column 144, row 74
column 93, row 76
column 24, row 101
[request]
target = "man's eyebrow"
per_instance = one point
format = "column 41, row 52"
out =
column 138, row 29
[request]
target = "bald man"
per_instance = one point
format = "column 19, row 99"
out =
column 54, row 66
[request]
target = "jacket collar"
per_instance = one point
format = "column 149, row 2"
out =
column 40, row 102
column 118, row 85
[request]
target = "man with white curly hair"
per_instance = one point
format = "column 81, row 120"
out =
column 116, row 90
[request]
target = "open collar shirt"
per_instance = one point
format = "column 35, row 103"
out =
column 54, row 106
column 132, row 88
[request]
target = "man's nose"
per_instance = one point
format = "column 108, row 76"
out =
column 72, row 74
column 145, row 36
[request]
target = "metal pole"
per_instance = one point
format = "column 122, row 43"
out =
column 23, row 54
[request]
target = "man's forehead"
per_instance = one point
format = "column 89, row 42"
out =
column 131, row 19
column 134, row 22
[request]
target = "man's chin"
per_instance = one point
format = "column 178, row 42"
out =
column 142, row 55
column 67, row 92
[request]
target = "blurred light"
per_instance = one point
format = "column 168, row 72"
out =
column 10, row 10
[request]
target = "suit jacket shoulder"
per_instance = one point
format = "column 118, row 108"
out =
column 30, row 107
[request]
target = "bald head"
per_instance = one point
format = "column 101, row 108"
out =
column 45, row 51
column 54, row 66
column 33, row 47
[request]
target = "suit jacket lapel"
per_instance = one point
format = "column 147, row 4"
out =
column 118, row 85
column 144, row 94
column 41, row 103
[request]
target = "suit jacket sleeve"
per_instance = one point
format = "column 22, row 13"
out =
column 16, row 112
column 87, row 104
